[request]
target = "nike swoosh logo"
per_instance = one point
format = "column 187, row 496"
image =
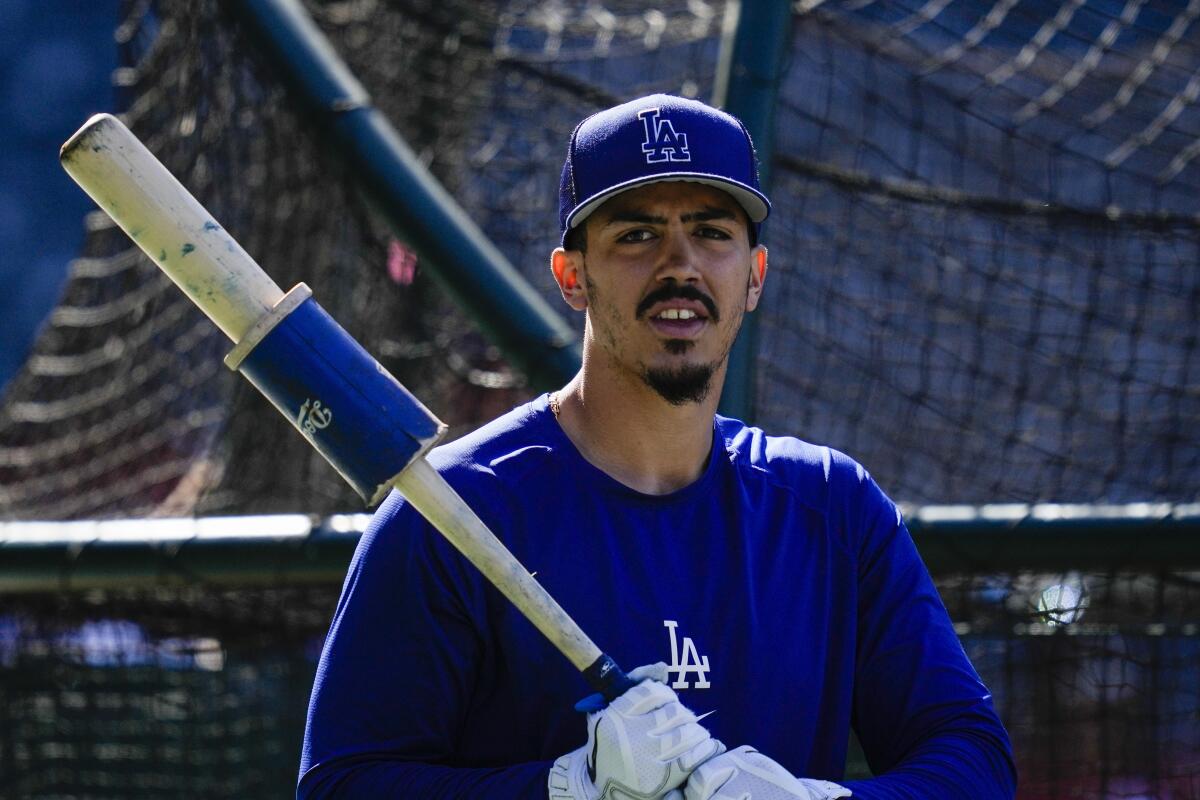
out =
column 591, row 761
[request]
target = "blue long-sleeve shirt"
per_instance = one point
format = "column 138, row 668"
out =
column 781, row 586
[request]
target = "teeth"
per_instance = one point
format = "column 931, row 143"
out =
column 678, row 313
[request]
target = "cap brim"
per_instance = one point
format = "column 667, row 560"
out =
column 755, row 203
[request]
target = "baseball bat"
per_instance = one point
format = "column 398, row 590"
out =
column 373, row 431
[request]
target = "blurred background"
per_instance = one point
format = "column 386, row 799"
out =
column 56, row 66
column 983, row 287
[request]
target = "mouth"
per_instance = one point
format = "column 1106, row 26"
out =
column 677, row 312
column 678, row 322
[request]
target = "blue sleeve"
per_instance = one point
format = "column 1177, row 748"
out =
column 925, row 720
column 396, row 673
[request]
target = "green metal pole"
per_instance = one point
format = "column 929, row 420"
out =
column 531, row 334
column 757, row 37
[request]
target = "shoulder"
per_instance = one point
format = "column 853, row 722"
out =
column 503, row 452
column 819, row 475
column 521, row 436
column 477, row 466
column 826, row 480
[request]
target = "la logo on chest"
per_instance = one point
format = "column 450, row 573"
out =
column 686, row 661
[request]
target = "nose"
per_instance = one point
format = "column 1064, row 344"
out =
column 677, row 261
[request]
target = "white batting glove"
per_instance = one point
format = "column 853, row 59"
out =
column 746, row 774
column 642, row 746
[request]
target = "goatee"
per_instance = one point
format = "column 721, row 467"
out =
column 680, row 385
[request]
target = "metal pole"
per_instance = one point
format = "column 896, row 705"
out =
column 750, row 69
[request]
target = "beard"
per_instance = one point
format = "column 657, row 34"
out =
column 689, row 383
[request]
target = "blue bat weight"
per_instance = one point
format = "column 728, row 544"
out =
column 359, row 417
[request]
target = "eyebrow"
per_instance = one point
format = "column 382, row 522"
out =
column 704, row 215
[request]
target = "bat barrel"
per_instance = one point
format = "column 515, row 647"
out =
column 169, row 225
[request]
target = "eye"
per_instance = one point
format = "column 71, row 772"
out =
column 636, row 235
column 711, row 232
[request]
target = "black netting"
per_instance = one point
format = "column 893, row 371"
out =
column 985, row 284
column 200, row 691
column 191, row 692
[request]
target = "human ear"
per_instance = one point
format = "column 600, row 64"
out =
column 758, row 274
column 567, row 266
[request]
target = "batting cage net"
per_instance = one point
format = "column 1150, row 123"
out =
column 985, row 284
column 201, row 691
column 982, row 287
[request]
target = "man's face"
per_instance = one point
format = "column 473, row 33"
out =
column 667, row 276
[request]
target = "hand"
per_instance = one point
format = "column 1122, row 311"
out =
column 746, row 774
column 639, row 748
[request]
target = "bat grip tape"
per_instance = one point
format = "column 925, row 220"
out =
column 609, row 681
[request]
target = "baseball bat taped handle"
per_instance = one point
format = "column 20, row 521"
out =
column 609, row 681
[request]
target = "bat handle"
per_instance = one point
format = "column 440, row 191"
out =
column 609, row 681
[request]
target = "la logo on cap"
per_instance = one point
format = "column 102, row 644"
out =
column 662, row 143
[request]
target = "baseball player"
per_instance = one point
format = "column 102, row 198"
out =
column 769, row 582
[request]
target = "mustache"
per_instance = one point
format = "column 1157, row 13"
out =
column 674, row 291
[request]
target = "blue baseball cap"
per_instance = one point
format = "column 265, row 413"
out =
column 658, row 138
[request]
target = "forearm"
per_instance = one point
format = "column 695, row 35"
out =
column 925, row 719
column 378, row 778
column 971, row 765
